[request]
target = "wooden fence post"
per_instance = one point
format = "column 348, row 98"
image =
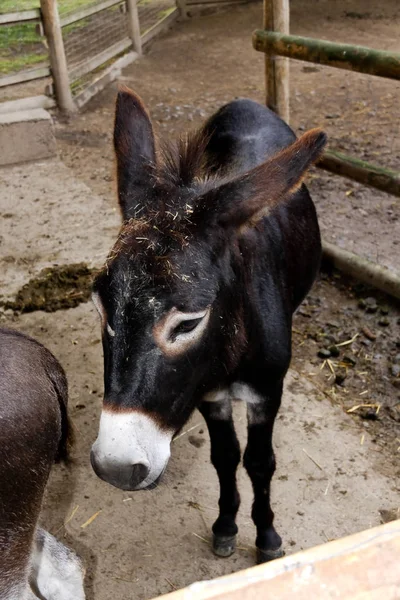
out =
column 134, row 26
column 58, row 61
column 182, row 7
column 276, row 18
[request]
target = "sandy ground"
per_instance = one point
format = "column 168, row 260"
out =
column 147, row 543
column 49, row 218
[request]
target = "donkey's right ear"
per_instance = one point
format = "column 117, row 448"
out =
column 134, row 149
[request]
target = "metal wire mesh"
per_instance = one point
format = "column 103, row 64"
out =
column 153, row 11
column 95, row 35
column 92, row 35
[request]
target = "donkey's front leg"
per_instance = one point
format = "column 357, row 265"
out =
column 259, row 461
column 225, row 456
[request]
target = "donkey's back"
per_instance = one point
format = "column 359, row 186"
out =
column 243, row 134
column 33, row 434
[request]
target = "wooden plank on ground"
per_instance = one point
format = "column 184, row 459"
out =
column 364, row 566
column 28, row 103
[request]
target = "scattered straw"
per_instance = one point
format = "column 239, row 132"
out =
column 347, row 342
column 362, row 439
column 187, row 431
column 201, row 538
column 195, row 505
column 363, row 393
column 357, row 406
column 71, row 516
column 313, row 459
column 327, row 488
column 89, row 521
column 330, row 365
column 173, row 586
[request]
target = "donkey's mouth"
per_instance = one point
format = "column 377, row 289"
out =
column 131, row 451
column 127, row 477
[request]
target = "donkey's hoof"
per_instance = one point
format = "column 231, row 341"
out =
column 264, row 556
column 224, row 546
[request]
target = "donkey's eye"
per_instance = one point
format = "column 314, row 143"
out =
column 185, row 327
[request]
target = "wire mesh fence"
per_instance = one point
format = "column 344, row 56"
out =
column 92, row 41
column 94, row 34
column 153, row 11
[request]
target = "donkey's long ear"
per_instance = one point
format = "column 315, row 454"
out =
column 245, row 200
column 134, row 149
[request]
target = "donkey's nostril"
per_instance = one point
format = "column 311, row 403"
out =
column 122, row 475
column 139, row 474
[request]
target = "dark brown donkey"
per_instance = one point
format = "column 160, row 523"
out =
column 33, row 434
column 219, row 245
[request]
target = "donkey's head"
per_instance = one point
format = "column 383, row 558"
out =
column 169, row 298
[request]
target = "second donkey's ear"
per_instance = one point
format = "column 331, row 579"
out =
column 134, row 150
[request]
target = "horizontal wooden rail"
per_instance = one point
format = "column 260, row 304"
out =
column 359, row 567
column 377, row 177
column 26, row 75
column 83, row 13
column 361, row 268
column 322, row 52
column 22, row 16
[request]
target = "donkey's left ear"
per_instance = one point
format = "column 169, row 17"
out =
column 134, row 149
column 245, row 200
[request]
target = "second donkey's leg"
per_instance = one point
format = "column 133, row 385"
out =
column 225, row 456
column 259, row 461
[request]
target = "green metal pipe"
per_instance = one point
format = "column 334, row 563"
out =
column 342, row 56
column 377, row 177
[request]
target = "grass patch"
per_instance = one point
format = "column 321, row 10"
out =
column 64, row 6
column 12, row 65
column 12, row 36
column 20, row 47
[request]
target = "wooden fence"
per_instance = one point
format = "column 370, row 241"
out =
column 364, row 566
column 275, row 41
column 278, row 47
column 81, row 51
column 8, row 23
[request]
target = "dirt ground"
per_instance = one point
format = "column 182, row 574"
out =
column 331, row 481
column 337, row 473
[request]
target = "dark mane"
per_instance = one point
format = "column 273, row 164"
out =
column 183, row 162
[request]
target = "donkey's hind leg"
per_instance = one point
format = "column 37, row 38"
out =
column 259, row 461
column 225, row 456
